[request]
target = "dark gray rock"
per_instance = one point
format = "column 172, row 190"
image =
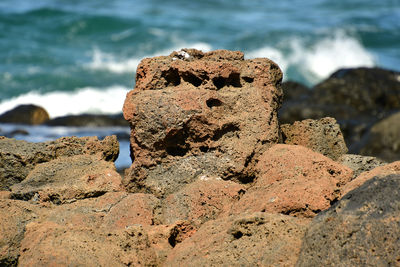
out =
column 360, row 164
column 362, row 229
column 90, row 120
column 25, row 114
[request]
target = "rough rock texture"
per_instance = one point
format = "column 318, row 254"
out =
column 362, row 229
column 257, row 239
column 381, row 171
column 201, row 201
column 360, row 164
column 383, row 139
column 18, row 158
column 67, row 179
column 322, row 136
column 294, row 180
column 192, row 103
column 14, row 215
column 50, row 244
column 25, row 114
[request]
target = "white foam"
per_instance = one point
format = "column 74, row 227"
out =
column 84, row 100
column 317, row 61
column 109, row 62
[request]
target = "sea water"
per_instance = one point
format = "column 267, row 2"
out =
column 74, row 57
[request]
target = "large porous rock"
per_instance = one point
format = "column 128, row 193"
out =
column 257, row 239
column 18, row 158
column 360, row 164
column 383, row 139
column 294, row 180
column 51, row 244
column 14, row 216
column 201, row 201
column 192, row 103
column 362, row 229
column 380, row 171
column 68, row 179
column 25, row 114
column 322, row 136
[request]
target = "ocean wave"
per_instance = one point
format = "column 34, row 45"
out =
column 83, row 100
column 317, row 61
column 112, row 63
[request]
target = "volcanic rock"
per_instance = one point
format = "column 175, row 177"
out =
column 381, row 171
column 14, row 216
column 18, row 158
column 25, row 114
column 383, row 139
column 294, row 180
column 201, row 201
column 192, row 103
column 360, row 164
column 50, row 244
column 258, row 239
column 362, row 229
column 322, row 136
column 89, row 120
column 68, row 179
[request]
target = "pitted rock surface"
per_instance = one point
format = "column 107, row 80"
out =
column 192, row 103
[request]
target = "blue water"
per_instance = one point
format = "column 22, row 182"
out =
column 73, row 56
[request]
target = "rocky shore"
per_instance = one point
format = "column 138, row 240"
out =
column 230, row 167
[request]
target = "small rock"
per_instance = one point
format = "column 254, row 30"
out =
column 322, row 136
column 294, row 180
column 360, row 164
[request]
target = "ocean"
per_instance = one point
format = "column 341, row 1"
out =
column 74, row 57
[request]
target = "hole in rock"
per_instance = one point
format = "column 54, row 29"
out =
column 172, row 77
column 213, row 102
column 191, row 78
column 175, row 143
column 232, row 80
column 248, row 79
column 204, row 149
column 227, row 128
column 237, row 234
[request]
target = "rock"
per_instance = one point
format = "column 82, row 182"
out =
column 14, row 216
column 362, row 229
column 192, row 103
column 89, row 120
column 201, row 201
column 380, row 171
column 68, row 179
column 50, row 244
column 133, row 209
column 383, row 139
column 18, row 158
column 371, row 90
column 257, row 239
column 294, row 180
column 25, row 114
column 360, row 164
column 322, row 136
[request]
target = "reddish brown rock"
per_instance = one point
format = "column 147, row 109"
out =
column 294, row 180
column 381, row 171
column 68, row 179
column 25, row 114
column 257, row 239
column 322, row 136
column 201, row 201
column 50, row 244
column 191, row 104
column 14, row 215
column 362, row 229
column 18, row 158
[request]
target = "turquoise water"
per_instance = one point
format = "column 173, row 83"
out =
column 80, row 56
